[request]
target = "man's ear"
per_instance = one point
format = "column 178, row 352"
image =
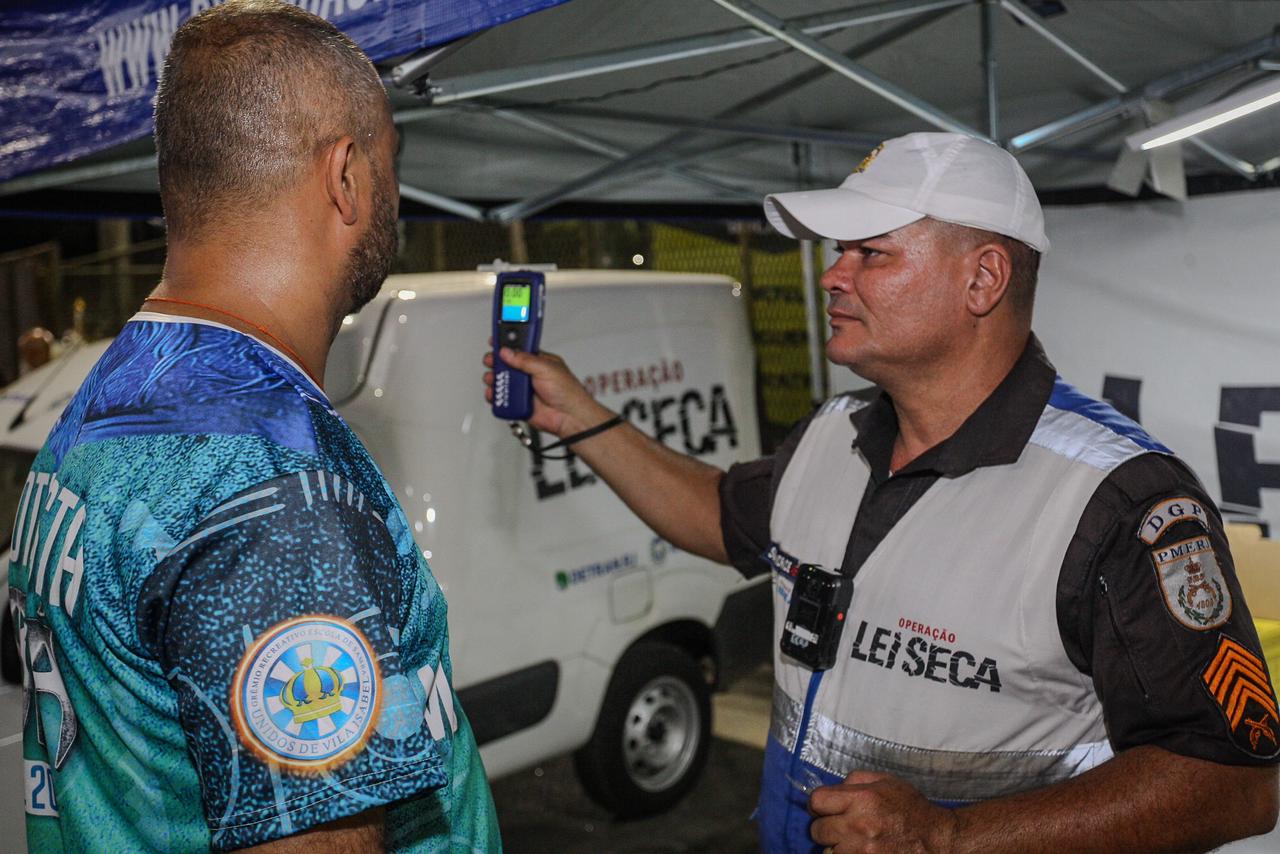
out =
column 340, row 179
column 990, row 270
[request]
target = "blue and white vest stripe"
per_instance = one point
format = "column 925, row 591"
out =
column 951, row 672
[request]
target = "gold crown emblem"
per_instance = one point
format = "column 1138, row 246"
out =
column 313, row 692
column 866, row 161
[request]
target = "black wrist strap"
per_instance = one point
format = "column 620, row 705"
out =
column 585, row 434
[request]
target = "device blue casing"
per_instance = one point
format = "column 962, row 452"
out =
column 513, row 389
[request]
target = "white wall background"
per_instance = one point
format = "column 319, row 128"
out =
column 1185, row 297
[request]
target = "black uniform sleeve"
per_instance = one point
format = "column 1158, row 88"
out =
column 746, row 504
column 1150, row 608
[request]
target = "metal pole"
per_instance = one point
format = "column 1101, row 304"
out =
column 645, row 169
column 1131, row 99
column 1033, row 23
column 61, row 177
column 787, row 133
column 637, row 161
column 1267, row 166
column 816, row 50
column 589, row 65
column 1091, row 115
column 989, row 10
column 581, row 140
column 420, row 64
column 409, row 115
column 55, row 287
column 439, row 261
column 519, row 246
column 1241, row 167
column 598, row 146
column 813, row 326
column 809, row 284
column 444, row 203
column 630, row 163
column 113, row 240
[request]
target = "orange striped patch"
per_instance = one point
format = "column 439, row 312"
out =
column 1237, row 679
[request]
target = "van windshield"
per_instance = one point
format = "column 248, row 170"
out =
column 14, row 465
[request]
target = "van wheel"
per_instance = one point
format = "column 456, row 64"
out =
column 650, row 743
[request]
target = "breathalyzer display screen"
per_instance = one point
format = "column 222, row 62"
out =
column 516, row 299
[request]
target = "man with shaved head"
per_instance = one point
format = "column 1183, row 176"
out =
column 255, row 99
column 231, row 638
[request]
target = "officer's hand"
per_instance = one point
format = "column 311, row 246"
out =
column 561, row 404
column 870, row 813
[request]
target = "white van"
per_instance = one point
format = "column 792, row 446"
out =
column 573, row 627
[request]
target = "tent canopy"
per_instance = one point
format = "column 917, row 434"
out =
column 694, row 101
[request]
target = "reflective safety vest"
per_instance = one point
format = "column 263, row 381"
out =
column 951, row 672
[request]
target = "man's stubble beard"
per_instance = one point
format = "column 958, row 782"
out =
column 369, row 261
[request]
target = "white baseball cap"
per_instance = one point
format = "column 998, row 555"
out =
column 947, row 176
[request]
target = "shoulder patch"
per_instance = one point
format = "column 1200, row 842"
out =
column 1169, row 513
column 306, row 694
column 1194, row 590
column 1237, row 681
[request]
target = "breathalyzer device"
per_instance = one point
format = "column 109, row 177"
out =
column 518, row 300
column 819, row 601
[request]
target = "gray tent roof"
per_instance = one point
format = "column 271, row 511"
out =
column 768, row 116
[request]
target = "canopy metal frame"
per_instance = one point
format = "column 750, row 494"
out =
column 782, row 89
column 695, row 139
column 802, row 35
column 505, row 80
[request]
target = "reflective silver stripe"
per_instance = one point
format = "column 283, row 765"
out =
column 840, row 403
column 942, row 775
column 1072, row 435
column 786, row 719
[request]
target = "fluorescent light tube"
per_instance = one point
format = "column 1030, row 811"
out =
column 1199, row 120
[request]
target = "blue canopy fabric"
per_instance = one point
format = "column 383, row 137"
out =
column 78, row 77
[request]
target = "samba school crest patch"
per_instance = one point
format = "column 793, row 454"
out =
column 1195, row 592
column 306, row 694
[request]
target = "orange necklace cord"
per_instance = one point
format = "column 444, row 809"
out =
column 283, row 346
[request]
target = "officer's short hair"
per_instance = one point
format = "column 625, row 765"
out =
column 251, row 91
column 1024, row 261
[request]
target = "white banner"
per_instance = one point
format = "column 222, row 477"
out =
column 1172, row 313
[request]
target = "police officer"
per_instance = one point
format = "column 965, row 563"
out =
column 1046, row 647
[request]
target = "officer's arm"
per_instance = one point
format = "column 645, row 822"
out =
column 1160, row 624
column 1154, row 614
column 1144, row 800
column 357, row 834
column 674, row 494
